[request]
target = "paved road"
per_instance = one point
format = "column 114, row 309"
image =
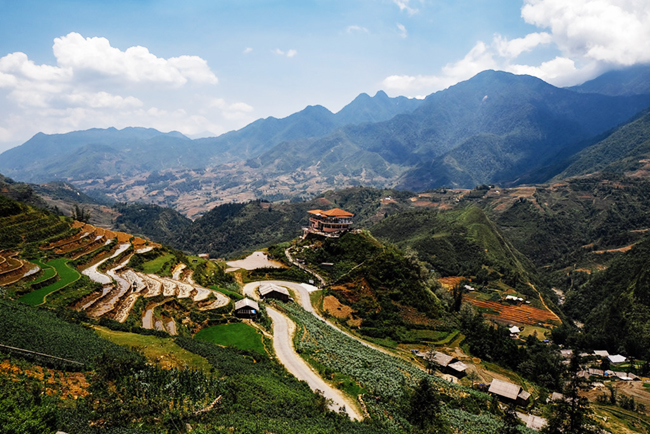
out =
column 283, row 329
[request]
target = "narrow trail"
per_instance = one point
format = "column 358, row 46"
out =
column 283, row 330
column 544, row 303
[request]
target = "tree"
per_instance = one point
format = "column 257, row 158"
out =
column 424, row 411
column 80, row 214
column 457, row 293
column 511, row 421
column 571, row 413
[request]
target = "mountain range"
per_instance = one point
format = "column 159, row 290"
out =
column 496, row 128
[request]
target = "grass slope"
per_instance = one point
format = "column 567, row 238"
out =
column 238, row 335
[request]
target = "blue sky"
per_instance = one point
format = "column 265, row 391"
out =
column 207, row 67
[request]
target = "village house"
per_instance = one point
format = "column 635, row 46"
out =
column 332, row 223
column 271, row 290
column 247, row 308
column 447, row 364
column 509, row 393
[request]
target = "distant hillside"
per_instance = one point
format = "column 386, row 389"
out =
column 634, row 80
column 100, row 153
column 232, row 229
column 626, row 150
column 491, row 128
column 615, row 304
column 92, row 153
column 150, row 221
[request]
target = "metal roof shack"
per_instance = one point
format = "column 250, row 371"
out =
column 246, row 308
column 448, row 364
column 509, row 392
column 271, row 290
column 617, row 359
column 601, row 353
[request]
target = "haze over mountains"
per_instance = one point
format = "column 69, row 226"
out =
column 494, row 128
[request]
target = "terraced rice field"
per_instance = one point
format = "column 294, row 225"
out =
column 66, row 276
column 524, row 314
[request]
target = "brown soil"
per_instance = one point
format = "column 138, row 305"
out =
column 620, row 250
column 354, row 291
column 524, row 314
column 450, row 282
column 69, row 385
column 334, row 307
column 412, row 316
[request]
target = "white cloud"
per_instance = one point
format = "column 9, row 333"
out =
column 590, row 35
column 403, row 33
column 514, row 47
column 234, row 111
column 404, row 6
column 289, row 53
column 611, row 31
column 136, row 64
column 356, row 29
column 93, row 84
column 247, row 50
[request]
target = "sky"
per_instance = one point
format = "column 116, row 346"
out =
column 205, row 67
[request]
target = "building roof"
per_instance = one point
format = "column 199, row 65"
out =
column 335, row 212
column 593, row 371
column 246, row 302
column 523, row 395
column 458, row 366
column 267, row 288
column 440, row 358
column 566, row 353
column 602, row 353
column 617, row 359
column 514, row 329
column 505, row 389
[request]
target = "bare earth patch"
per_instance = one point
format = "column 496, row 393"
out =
column 254, row 261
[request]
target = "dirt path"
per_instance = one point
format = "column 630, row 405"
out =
column 557, row 318
column 283, row 330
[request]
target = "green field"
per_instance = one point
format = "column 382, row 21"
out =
column 231, row 294
column 48, row 272
column 162, row 350
column 66, row 276
column 156, row 265
column 238, row 335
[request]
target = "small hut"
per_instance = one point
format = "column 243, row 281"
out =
column 246, row 308
column 508, row 392
column 271, row 290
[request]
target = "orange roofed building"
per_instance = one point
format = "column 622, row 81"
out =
column 331, row 223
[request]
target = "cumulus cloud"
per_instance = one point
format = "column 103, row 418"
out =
column 403, row 33
column 95, row 55
column 93, row 84
column 248, row 50
column 611, row 31
column 590, row 35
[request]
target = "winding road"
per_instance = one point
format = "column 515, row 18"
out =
column 283, row 329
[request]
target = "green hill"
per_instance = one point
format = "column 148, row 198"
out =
column 625, row 150
column 615, row 305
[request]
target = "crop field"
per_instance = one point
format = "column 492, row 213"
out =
column 231, row 294
column 238, row 335
column 48, row 271
column 520, row 314
column 66, row 275
column 162, row 351
column 156, row 265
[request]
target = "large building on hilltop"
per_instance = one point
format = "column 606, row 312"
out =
column 332, row 223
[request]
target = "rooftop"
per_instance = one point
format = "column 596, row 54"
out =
column 267, row 288
column 335, row 212
column 505, row 389
column 246, row 302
